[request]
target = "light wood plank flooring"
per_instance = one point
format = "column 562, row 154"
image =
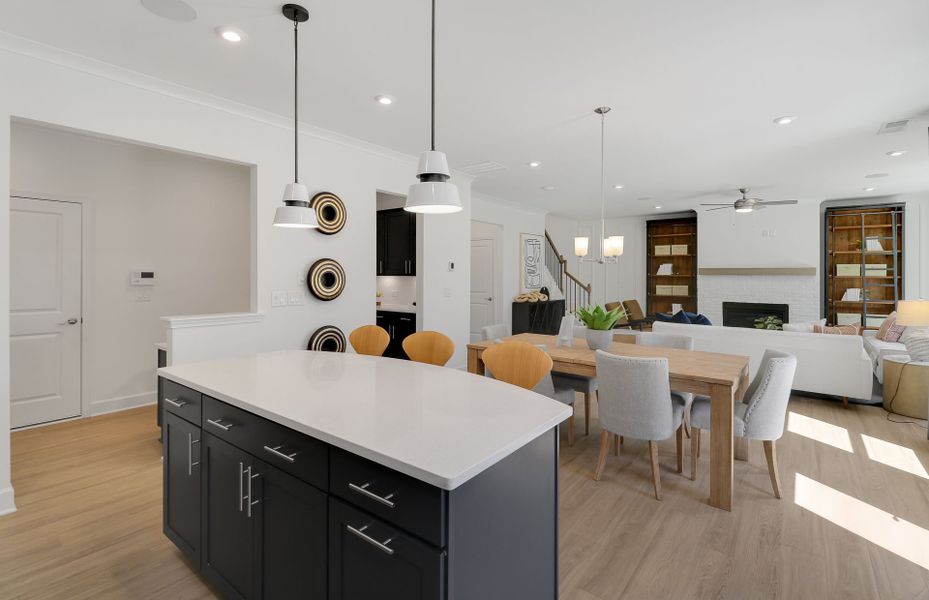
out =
column 89, row 519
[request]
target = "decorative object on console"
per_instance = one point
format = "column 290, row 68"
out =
column 772, row 322
column 326, row 279
column 433, row 194
column 531, row 297
column 611, row 248
column 330, row 212
column 838, row 330
column 531, row 261
column 296, row 211
column 328, row 338
column 599, row 325
column 915, row 313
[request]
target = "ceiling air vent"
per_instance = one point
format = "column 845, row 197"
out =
column 892, row 126
column 479, row 168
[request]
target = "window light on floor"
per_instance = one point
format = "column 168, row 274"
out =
column 894, row 455
column 827, row 433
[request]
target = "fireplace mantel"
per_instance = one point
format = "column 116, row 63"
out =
column 811, row 271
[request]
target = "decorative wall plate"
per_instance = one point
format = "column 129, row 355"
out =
column 326, row 279
column 328, row 338
column 330, row 212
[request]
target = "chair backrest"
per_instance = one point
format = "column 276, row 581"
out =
column 624, row 320
column 768, row 395
column 429, row 347
column 493, row 332
column 517, row 363
column 634, row 396
column 369, row 339
column 633, row 310
column 665, row 340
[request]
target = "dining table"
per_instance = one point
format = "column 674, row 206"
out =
column 721, row 377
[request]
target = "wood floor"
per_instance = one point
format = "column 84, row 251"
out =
column 89, row 519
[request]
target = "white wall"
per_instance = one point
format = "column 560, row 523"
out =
column 514, row 219
column 45, row 85
column 182, row 216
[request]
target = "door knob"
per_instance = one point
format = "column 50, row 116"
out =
column 69, row 322
column 490, row 299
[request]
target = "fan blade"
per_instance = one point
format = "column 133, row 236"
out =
column 727, row 204
column 718, row 208
column 773, row 202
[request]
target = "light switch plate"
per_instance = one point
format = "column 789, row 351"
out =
column 295, row 298
column 448, row 292
column 278, row 298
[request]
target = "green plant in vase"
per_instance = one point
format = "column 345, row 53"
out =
column 769, row 322
column 599, row 323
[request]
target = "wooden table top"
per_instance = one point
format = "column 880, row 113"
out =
column 706, row 367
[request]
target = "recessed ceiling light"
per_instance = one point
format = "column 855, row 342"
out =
column 385, row 100
column 896, row 153
column 876, row 175
column 785, row 120
column 657, row 208
column 618, row 186
column 230, row 34
column 534, row 164
column 867, row 189
column 548, row 188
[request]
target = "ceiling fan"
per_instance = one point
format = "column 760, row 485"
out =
column 747, row 205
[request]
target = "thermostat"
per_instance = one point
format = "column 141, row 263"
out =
column 142, row 278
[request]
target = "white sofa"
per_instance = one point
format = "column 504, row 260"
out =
column 878, row 349
column 826, row 364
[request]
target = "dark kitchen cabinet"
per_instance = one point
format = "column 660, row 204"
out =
column 396, row 242
column 369, row 560
column 398, row 326
column 181, row 517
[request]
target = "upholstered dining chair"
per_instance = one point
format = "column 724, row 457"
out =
column 760, row 415
column 671, row 340
column 529, row 367
column 429, row 347
column 495, row 332
column 369, row 339
column 578, row 383
column 635, row 401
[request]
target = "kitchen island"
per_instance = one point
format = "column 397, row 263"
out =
column 302, row 474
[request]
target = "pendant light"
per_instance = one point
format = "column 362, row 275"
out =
column 296, row 212
column 433, row 194
column 611, row 248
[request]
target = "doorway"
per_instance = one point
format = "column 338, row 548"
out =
column 45, row 311
column 485, row 276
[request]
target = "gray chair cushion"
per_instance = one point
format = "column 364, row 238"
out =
column 700, row 415
column 578, row 383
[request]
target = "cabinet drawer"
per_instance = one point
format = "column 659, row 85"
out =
column 396, row 498
column 181, row 400
column 286, row 449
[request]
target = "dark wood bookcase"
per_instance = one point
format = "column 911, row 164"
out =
column 877, row 272
column 666, row 290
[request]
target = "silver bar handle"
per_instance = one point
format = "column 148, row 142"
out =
column 382, row 546
column 364, row 491
column 176, row 403
column 219, row 423
column 190, row 454
column 276, row 451
column 241, row 492
column 251, row 502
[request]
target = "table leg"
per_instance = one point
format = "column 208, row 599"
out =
column 721, row 446
column 475, row 364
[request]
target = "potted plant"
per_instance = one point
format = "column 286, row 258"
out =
column 599, row 324
column 769, row 322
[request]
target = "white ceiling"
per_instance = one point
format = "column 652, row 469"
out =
column 694, row 86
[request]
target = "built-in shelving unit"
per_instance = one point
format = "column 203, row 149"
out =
column 680, row 286
column 864, row 252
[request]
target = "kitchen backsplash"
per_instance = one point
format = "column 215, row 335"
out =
column 397, row 290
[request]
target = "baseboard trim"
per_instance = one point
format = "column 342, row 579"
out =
column 7, row 505
column 102, row 407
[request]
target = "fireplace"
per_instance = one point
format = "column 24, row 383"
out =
column 743, row 314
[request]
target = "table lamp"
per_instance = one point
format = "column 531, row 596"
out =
column 915, row 313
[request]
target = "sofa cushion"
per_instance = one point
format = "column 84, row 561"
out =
column 680, row 317
column 877, row 350
column 806, row 327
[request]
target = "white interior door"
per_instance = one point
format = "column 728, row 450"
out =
column 483, row 276
column 45, row 311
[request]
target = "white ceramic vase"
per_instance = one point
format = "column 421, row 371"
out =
column 599, row 339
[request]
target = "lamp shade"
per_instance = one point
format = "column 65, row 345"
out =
column 296, row 212
column 913, row 313
column 581, row 246
column 433, row 197
column 613, row 246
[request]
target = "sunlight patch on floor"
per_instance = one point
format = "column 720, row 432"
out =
column 894, row 455
column 827, row 433
column 879, row 527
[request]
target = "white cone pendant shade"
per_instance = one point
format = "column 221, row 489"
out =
column 581, row 246
column 433, row 194
column 296, row 211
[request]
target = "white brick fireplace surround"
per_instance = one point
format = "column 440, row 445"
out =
column 799, row 292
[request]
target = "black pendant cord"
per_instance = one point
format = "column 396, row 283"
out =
column 432, row 83
column 296, row 140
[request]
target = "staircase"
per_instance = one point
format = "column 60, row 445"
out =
column 576, row 294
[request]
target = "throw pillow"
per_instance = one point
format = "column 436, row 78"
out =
column 664, row 317
column 890, row 330
column 680, row 317
column 700, row 319
column 917, row 346
column 838, row 330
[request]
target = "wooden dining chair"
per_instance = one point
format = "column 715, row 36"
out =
column 429, row 347
column 369, row 339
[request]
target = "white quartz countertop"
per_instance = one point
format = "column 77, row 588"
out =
column 439, row 425
column 404, row 308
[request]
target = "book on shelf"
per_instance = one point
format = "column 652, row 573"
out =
column 665, row 269
column 873, row 245
column 852, row 295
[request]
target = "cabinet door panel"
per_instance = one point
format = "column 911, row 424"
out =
column 228, row 558
column 397, row 225
column 293, row 530
column 181, row 512
column 403, row 567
